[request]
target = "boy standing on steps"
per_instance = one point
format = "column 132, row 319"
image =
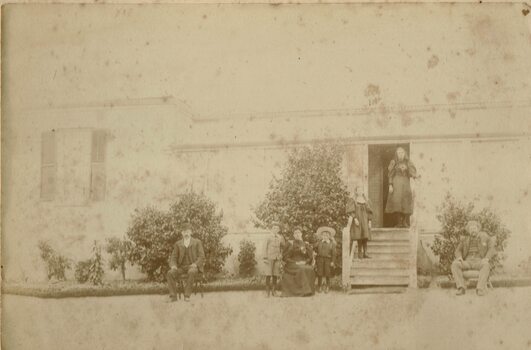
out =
column 274, row 248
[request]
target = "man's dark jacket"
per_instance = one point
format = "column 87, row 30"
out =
column 197, row 255
column 486, row 246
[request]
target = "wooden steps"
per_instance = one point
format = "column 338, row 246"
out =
column 381, row 272
column 390, row 260
column 381, row 263
column 379, row 280
column 390, row 234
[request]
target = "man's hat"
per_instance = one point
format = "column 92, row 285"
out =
column 186, row 226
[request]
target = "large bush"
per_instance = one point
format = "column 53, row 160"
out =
column 154, row 233
column 56, row 264
column 200, row 212
column 246, row 258
column 153, row 238
column 310, row 192
column 453, row 216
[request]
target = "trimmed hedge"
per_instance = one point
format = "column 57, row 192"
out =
column 74, row 290
column 117, row 288
column 497, row 281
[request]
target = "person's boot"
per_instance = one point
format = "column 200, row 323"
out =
column 326, row 289
column 398, row 220
column 268, row 291
column 318, row 289
column 406, row 221
column 460, row 291
column 365, row 256
column 360, row 253
column 402, row 221
column 273, row 294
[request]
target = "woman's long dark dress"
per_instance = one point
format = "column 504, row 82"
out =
column 298, row 280
column 401, row 199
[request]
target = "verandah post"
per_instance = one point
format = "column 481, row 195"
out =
column 346, row 259
column 414, row 237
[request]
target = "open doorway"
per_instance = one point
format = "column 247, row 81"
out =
column 379, row 158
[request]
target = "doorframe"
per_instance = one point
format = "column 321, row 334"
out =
column 382, row 145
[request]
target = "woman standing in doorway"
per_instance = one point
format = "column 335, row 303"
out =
column 400, row 198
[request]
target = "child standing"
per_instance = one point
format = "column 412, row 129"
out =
column 360, row 214
column 274, row 249
column 325, row 248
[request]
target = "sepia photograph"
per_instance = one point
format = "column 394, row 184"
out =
column 266, row 176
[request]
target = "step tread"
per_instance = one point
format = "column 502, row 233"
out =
column 390, row 248
column 400, row 243
column 379, row 259
column 379, row 272
column 379, row 280
column 390, row 229
column 386, row 255
column 378, row 263
column 390, row 236
column 382, row 264
column 377, row 289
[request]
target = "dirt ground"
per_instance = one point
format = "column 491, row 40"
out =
column 418, row 319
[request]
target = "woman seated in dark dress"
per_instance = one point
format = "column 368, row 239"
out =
column 299, row 277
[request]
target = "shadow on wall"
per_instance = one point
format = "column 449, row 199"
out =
column 426, row 261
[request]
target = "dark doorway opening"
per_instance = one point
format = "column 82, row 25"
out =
column 379, row 158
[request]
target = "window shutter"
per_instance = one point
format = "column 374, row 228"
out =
column 48, row 165
column 98, row 178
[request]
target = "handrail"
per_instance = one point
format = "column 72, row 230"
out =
column 413, row 243
column 346, row 259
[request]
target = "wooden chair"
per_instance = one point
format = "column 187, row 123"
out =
column 198, row 286
column 474, row 275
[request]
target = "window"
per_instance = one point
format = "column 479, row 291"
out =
column 73, row 166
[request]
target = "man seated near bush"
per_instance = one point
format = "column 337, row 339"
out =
column 187, row 258
column 473, row 253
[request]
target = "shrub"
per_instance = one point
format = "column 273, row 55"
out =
column 200, row 212
column 119, row 249
column 246, row 257
column 96, row 272
column 310, row 193
column 82, row 271
column 56, row 264
column 453, row 217
column 154, row 233
column 153, row 238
